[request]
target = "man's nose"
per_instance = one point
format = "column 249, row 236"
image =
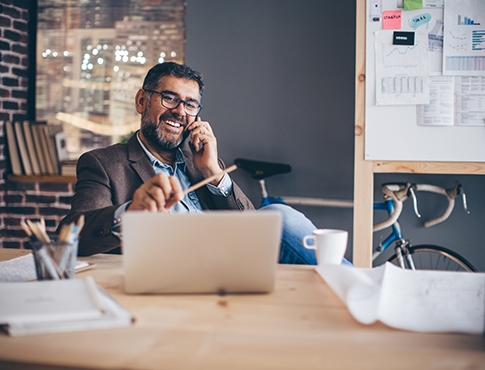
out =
column 180, row 110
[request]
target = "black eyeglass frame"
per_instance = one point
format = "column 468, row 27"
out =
column 180, row 101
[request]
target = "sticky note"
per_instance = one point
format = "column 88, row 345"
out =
column 391, row 20
column 419, row 20
column 413, row 4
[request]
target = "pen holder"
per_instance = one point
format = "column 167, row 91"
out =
column 55, row 260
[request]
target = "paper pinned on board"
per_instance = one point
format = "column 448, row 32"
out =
column 422, row 301
column 402, row 71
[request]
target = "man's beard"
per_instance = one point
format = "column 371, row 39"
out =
column 154, row 136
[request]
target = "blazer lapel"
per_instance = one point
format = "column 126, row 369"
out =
column 139, row 160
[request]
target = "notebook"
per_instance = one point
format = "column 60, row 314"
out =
column 214, row 252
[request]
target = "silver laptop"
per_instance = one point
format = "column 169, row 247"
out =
column 213, row 252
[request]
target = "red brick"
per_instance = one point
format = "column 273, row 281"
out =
column 54, row 187
column 19, row 72
column 21, row 186
column 19, row 117
column 7, row 81
column 46, row 199
column 4, row 45
column 12, row 35
column 20, row 26
column 19, row 48
column 5, row 22
column 52, row 211
column 11, row 244
column 11, row 221
column 10, row 59
column 19, row 210
column 65, row 200
column 14, row 198
column 12, row 12
column 10, row 105
column 20, row 94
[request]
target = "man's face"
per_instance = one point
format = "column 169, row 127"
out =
column 165, row 129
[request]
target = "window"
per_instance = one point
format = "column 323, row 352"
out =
column 92, row 56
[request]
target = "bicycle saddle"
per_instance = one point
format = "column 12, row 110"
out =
column 259, row 170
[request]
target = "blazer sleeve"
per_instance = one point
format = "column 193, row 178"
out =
column 93, row 199
column 236, row 201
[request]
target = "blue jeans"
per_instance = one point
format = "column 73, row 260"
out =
column 295, row 227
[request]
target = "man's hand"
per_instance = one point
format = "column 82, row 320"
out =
column 159, row 193
column 204, row 148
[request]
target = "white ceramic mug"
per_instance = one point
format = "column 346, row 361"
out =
column 329, row 245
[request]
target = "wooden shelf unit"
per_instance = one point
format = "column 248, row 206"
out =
column 364, row 169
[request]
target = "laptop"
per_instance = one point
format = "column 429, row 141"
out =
column 212, row 252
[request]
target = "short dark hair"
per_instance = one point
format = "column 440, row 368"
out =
column 155, row 74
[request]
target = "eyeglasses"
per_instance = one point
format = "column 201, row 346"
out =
column 170, row 101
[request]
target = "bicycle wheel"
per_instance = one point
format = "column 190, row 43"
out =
column 434, row 257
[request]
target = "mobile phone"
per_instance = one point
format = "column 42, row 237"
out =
column 192, row 146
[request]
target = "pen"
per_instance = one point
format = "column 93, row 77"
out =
column 209, row 179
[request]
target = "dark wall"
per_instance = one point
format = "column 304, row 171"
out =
column 280, row 87
column 275, row 91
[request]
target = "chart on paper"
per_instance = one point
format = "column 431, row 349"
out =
column 401, row 71
column 464, row 38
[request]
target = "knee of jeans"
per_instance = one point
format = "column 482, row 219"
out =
column 290, row 215
column 284, row 209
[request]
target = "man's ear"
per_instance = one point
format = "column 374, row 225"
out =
column 140, row 101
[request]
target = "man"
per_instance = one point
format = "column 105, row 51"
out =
column 151, row 171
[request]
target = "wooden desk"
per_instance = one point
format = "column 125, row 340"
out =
column 301, row 325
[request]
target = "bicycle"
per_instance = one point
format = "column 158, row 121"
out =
column 406, row 255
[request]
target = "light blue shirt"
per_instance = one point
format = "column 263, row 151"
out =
column 190, row 203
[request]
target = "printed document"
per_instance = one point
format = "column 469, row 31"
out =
column 464, row 38
column 456, row 101
column 401, row 70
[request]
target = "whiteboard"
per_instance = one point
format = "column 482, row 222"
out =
column 392, row 133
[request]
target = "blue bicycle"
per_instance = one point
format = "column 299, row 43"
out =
column 426, row 256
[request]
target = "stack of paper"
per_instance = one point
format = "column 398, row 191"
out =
column 58, row 306
column 23, row 269
column 424, row 301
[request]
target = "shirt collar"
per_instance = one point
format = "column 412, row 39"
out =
column 179, row 157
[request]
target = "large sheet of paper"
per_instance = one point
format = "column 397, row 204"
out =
column 423, row 301
column 464, row 38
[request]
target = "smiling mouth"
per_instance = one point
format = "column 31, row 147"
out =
column 173, row 124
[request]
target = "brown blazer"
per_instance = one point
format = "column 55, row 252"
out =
column 108, row 178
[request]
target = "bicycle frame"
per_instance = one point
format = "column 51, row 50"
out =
column 396, row 234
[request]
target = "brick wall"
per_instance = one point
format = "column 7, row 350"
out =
column 21, row 200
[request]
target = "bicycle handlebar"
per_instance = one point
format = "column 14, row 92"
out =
column 399, row 193
column 447, row 193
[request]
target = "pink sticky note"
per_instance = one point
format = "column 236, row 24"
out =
column 391, row 20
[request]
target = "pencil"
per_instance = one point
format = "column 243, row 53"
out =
column 93, row 292
column 209, row 179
